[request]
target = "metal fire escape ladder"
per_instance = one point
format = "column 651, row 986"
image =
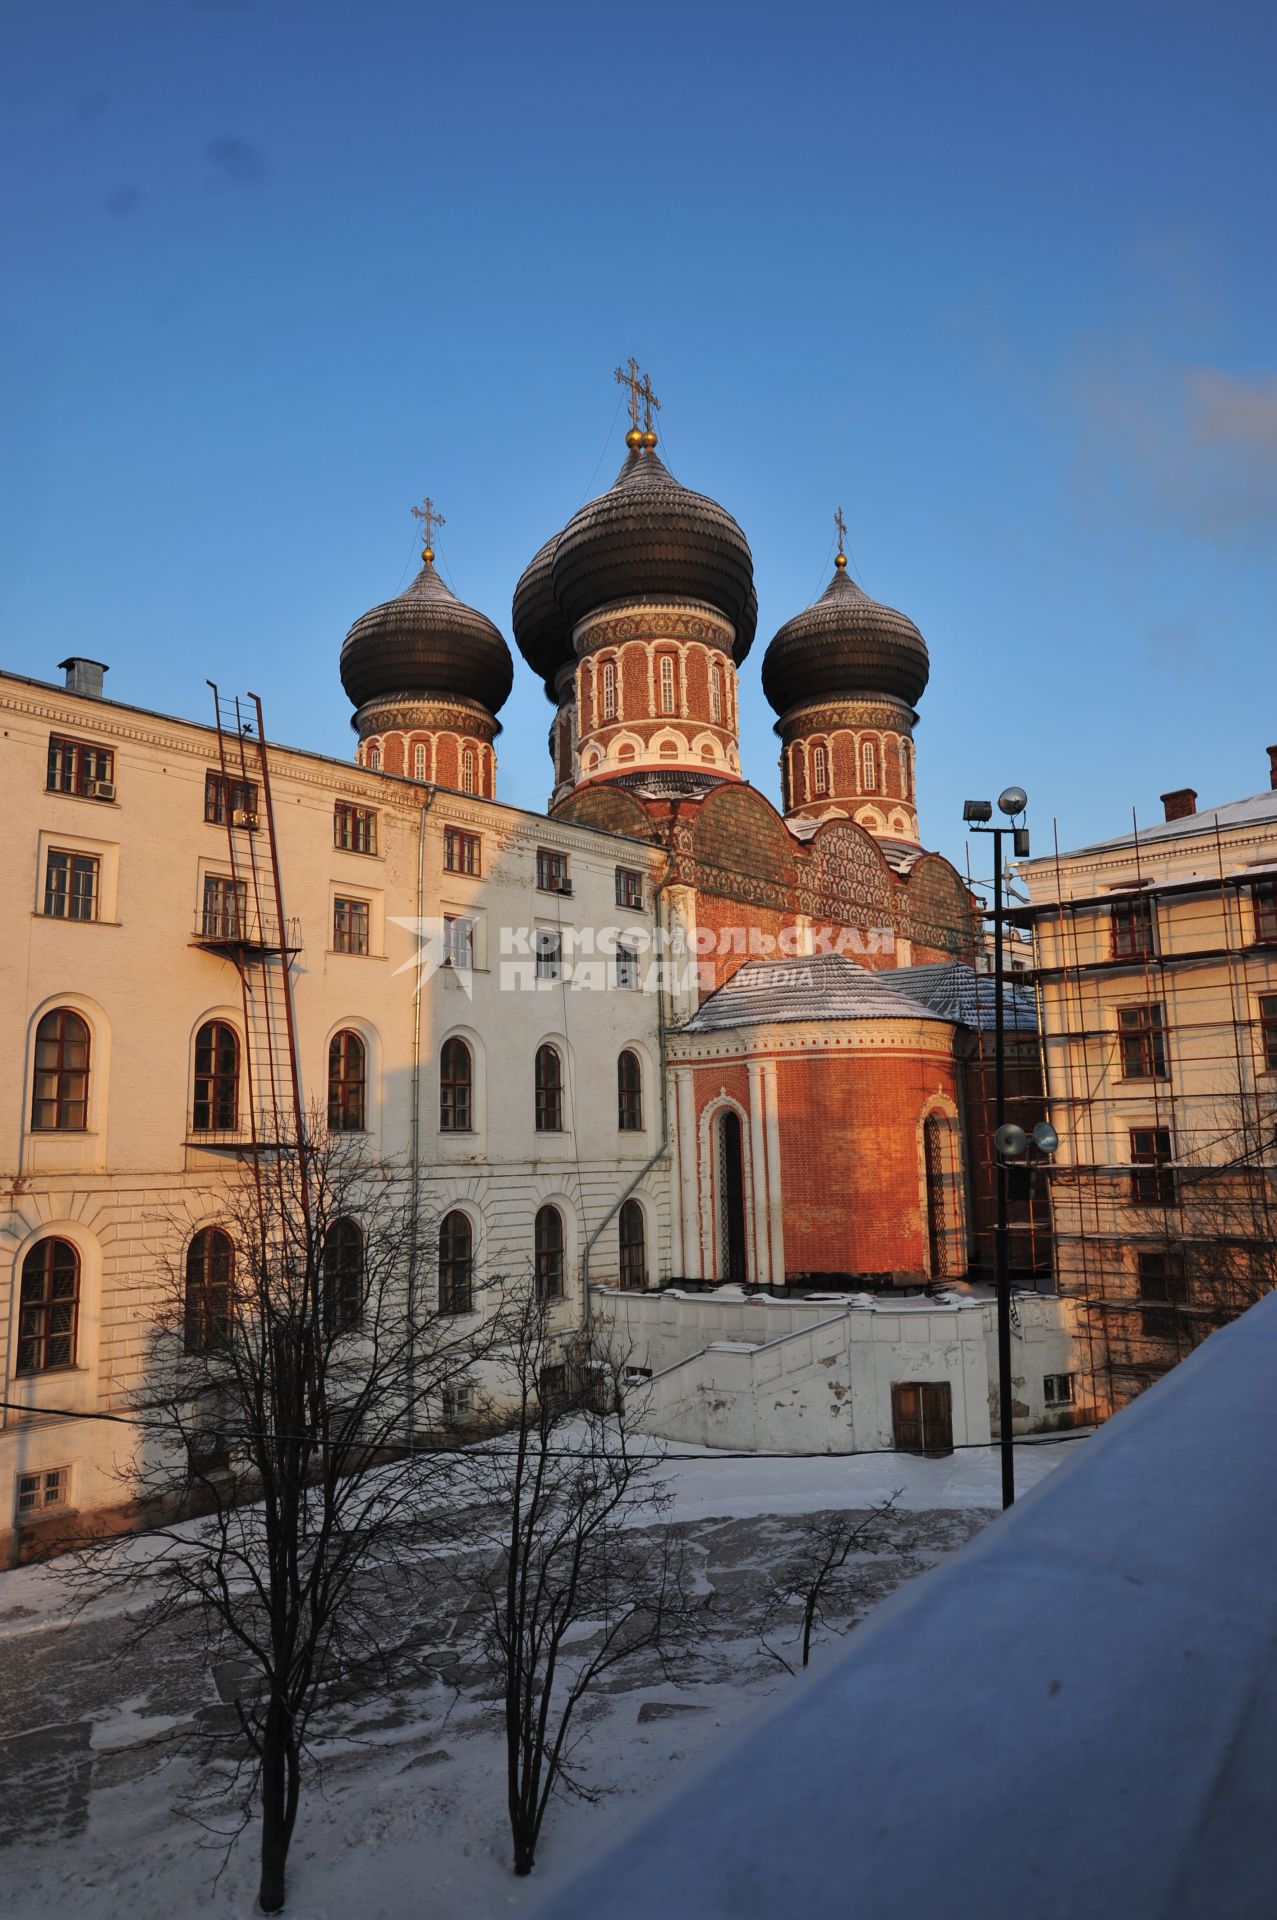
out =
column 254, row 934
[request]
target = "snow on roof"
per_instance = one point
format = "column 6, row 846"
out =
column 816, row 986
column 955, row 991
column 1260, row 807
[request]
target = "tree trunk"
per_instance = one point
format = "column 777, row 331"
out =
column 279, row 1808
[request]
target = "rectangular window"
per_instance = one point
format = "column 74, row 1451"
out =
column 39, row 1491
column 229, row 801
column 552, row 871
column 1057, row 1389
column 461, row 851
column 1152, row 1176
column 77, row 767
column 458, row 1405
column 1161, row 1274
column 354, row 828
column 629, row 888
column 1160, row 1323
column 71, row 886
column 1143, row 1037
column 627, row 965
column 350, row 926
column 1263, row 897
column 458, row 940
column 549, row 952
column 225, row 912
column 1268, row 1030
column 1131, row 928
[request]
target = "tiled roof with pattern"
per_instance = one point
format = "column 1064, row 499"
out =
column 845, row 645
column 957, row 992
column 819, row 986
column 426, row 642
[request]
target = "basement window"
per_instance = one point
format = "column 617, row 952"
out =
column 37, row 1492
column 1057, row 1389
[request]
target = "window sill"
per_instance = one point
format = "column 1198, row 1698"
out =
column 69, row 920
column 344, row 953
column 91, row 799
column 361, row 853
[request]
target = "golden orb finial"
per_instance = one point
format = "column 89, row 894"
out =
column 649, row 439
column 841, row 563
column 427, row 554
column 633, row 439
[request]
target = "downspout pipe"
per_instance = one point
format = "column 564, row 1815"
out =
column 663, row 1145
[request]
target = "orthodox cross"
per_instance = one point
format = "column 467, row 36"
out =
column 841, row 525
column 635, row 385
column 650, row 401
column 430, row 519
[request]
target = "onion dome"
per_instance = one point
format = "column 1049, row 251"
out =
column 845, row 645
column 427, row 644
column 542, row 635
column 648, row 538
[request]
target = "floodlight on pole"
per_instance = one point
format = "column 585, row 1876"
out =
column 1012, row 800
column 977, row 810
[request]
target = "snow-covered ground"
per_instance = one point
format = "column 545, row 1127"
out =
column 408, row 1815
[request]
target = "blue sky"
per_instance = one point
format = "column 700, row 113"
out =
column 999, row 279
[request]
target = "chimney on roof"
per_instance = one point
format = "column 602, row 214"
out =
column 84, row 676
column 1180, row 804
column 1272, row 767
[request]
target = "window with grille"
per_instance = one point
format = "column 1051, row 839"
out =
column 461, row 851
column 1131, row 928
column 60, row 1093
column 819, row 770
column 1161, row 1274
column 1142, row 1031
column 548, row 1243
column 627, row 964
column 629, row 887
column 716, row 697
column 456, row 1264
column 215, row 1108
column 553, row 875
column 1057, row 1389
column 633, row 1246
column 77, row 767
column 667, row 683
column 1263, row 900
column 456, row 1086
column 354, row 828
column 230, row 802
column 225, row 912
column 548, row 947
column 1268, row 1030
column 609, row 691
column 37, row 1492
column 350, row 926
column 629, row 1092
column 347, row 1078
column 419, row 762
column 467, row 771
column 48, row 1307
column 458, row 940
column 869, row 766
column 71, row 885
column 343, row 1276
column 1152, row 1175
column 549, row 1090
column 210, row 1262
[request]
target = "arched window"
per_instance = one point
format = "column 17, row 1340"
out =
column 549, row 1090
column 216, row 1105
column 869, row 762
column 456, row 1087
column 346, row 1082
column 456, row 1264
column 609, row 691
column 419, row 761
column 60, row 1097
column 731, row 1198
column 343, row 1276
column 716, row 697
column 374, row 759
column 934, row 1157
column 210, row 1261
column 906, row 769
column 467, row 771
column 49, row 1308
column 633, row 1247
column 629, row 1093
column 819, row 770
column 667, row 683
column 548, row 1240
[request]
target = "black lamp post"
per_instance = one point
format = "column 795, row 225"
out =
column 1010, row 1142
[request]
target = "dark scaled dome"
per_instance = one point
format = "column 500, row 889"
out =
column 646, row 538
column 426, row 644
column 845, row 645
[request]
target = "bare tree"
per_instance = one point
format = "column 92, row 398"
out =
column 582, row 1574
column 296, row 1375
column 816, row 1576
